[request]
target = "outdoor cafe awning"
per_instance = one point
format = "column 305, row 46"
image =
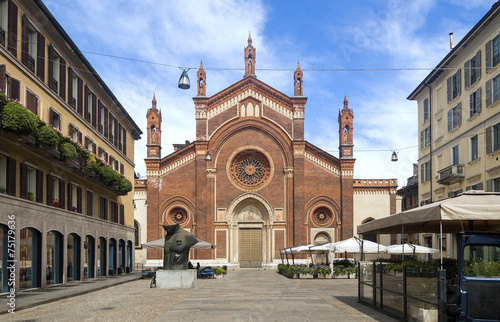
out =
column 470, row 211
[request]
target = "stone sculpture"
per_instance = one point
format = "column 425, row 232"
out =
column 176, row 248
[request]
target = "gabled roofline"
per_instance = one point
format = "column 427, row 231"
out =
column 438, row 70
column 212, row 100
column 84, row 60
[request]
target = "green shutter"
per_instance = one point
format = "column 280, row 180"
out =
column 489, row 185
column 478, row 65
column 467, row 74
column 450, row 118
column 488, row 140
column 488, row 56
column 478, row 100
column 448, row 88
column 488, row 93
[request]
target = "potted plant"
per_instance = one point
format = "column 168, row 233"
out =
column 219, row 272
column 56, row 203
column 3, row 190
column 31, row 196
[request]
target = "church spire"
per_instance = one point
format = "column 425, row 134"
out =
column 250, row 54
column 346, row 143
column 297, row 79
column 201, row 83
column 153, row 117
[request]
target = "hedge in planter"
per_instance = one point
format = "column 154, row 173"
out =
column 48, row 136
column 68, row 150
column 3, row 101
column 124, row 185
column 18, row 119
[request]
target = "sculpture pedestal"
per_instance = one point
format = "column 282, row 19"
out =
column 172, row 279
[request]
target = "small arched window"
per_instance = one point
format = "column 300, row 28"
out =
column 137, row 234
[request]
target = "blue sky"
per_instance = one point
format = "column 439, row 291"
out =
column 378, row 45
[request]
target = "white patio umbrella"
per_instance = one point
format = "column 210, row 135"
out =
column 357, row 245
column 408, row 248
column 320, row 249
column 302, row 249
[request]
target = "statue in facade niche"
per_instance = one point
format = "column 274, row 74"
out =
column 176, row 248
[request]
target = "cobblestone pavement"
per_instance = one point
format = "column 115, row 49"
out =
column 242, row 295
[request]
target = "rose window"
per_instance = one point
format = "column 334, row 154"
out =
column 250, row 169
column 322, row 216
column 178, row 216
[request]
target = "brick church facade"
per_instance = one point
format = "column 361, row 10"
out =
column 250, row 183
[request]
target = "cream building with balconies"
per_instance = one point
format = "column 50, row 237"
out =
column 459, row 116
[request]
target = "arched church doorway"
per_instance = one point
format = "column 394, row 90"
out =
column 250, row 220
column 250, row 251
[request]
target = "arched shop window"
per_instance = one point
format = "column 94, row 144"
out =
column 30, row 258
column 54, row 270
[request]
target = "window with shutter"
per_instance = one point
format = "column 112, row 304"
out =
column 496, row 137
column 86, row 110
column 488, row 93
column 54, row 119
column 14, row 89
column 11, row 176
column 90, row 203
column 12, row 28
column 426, row 110
column 124, row 141
column 120, row 137
column 72, row 88
column 79, row 200
column 122, row 214
column 94, row 111
column 25, row 40
column 495, row 89
column 106, row 123
column 474, row 148
column 79, row 97
column 456, row 154
column 39, row 186
column 62, row 78
column 3, row 79
column 32, row 102
column 472, row 70
column 455, row 117
column 103, row 208
column 3, row 174
column 40, row 57
column 453, row 84
column 62, row 193
column 475, row 102
column 489, row 146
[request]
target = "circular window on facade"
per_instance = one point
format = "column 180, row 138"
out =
column 322, row 216
column 250, row 169
column 178, row 216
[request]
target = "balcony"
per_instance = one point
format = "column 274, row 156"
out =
column 453, row 173
column 31, row 63
column 54, row 85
